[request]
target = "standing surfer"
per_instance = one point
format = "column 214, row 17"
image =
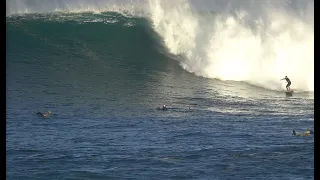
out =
column 288, row 81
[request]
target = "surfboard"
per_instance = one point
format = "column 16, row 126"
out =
column 289, row 93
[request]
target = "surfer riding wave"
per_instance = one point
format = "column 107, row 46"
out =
column 288, row 81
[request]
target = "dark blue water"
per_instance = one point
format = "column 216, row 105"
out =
column 103, row 82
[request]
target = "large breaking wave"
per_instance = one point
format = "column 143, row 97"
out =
column 228, row 40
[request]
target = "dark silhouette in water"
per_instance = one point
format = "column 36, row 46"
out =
column 164, row 108
column 43, row 114
column 307, row 133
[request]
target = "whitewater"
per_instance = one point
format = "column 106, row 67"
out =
column 258, row 43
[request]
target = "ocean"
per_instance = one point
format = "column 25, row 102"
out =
column 102, row 69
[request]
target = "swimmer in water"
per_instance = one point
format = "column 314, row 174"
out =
column 164, row 108
column 44, row 114
column 300, row 134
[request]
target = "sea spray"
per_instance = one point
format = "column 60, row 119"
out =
column 238, row 46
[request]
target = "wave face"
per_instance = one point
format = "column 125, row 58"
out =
column 227, row 40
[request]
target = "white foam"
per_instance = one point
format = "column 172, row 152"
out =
column 258, row 49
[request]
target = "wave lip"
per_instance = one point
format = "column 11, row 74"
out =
column 15, row 7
